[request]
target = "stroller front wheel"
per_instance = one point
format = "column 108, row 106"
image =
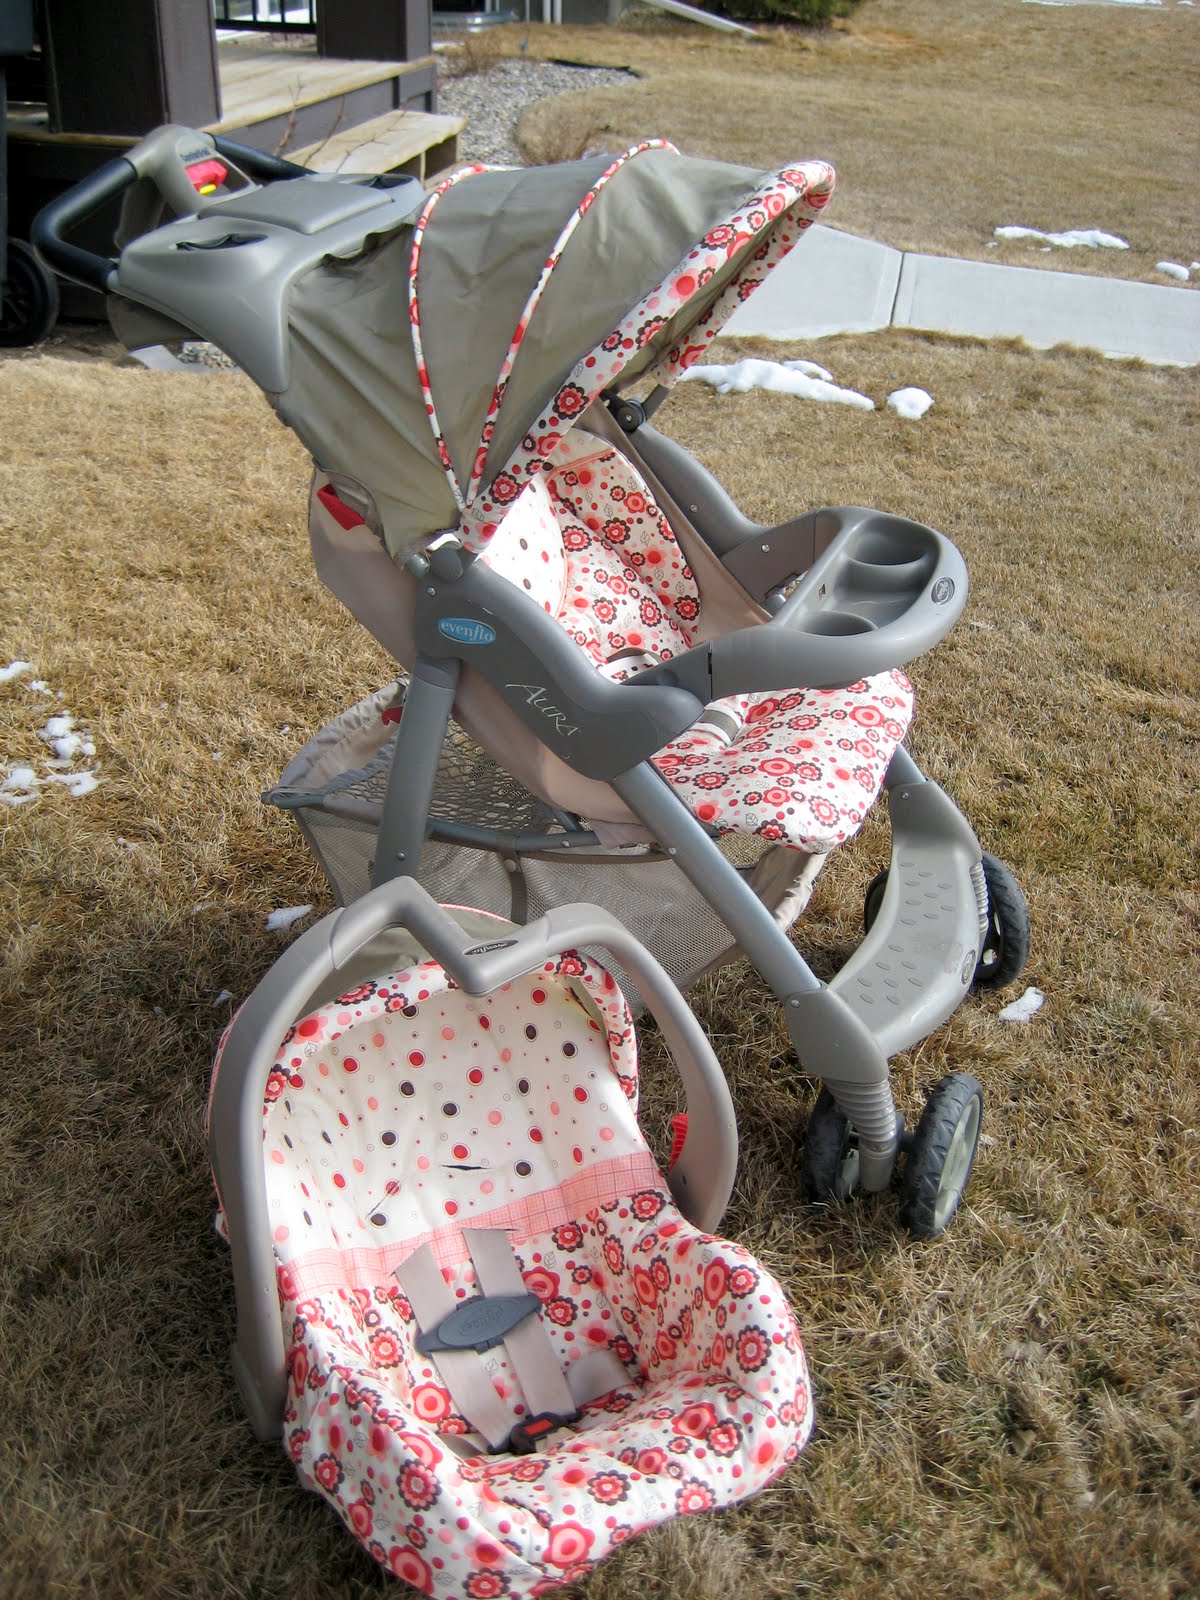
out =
column 829, row 1164
column 941, row 1155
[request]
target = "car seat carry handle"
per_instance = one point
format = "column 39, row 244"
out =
column 701, row 1180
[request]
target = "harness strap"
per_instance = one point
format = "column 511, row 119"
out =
column 528, row 1345
column 466, row 1375
column 552, row 1397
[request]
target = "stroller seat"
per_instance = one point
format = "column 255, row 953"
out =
column 421, row 1143
column 588, row 540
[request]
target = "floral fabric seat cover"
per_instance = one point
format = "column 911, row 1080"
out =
column 801, row 769
column 402, row 1114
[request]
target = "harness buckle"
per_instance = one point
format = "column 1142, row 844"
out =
column 533, row 1431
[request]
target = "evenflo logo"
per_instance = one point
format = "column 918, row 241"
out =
column 464, row 630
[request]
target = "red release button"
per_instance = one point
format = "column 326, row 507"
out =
column 207, row 176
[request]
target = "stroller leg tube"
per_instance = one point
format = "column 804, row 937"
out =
column 406, row 806
column 651, row 798
column 830, row 1040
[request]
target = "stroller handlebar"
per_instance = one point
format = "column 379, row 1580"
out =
column 79, row 202
column 175, row 162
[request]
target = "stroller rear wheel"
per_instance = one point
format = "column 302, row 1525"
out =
column 941, row 1155
column 829, row 1164
column 1006, row 941
column 29, row 305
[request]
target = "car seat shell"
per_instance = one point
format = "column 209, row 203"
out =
column 404, row 1112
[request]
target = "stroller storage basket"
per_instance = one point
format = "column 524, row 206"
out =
column 335, row 787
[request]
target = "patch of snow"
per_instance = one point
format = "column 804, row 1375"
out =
column 810, row 369
column 59, row 733
column 737, row 377
column 38, row 686
column 20, row 782
column 1173, row 269
column 910, row 403
column 1022, row 1010
column 1091, row 238
column 14, row 670
column 78, row 783
column 285, row 916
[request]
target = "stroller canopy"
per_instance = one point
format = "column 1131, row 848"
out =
column 441, row 366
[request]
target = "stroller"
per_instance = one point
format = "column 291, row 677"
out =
column 605, row 657
column 491, row 1336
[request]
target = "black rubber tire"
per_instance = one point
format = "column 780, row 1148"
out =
column 826, row 1146
column 30, row 305
column 873, row 898
column 1006, row 942
column 938, row 1164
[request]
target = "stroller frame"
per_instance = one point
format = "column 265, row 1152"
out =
column 843, row 1032
column 847, row 593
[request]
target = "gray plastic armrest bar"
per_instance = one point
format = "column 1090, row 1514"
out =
column 883, row 590
column 701, row 1181
column 597, row 727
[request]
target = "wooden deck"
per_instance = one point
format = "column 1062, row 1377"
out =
column 263, row 77
column 417, row 142
column 278, row 95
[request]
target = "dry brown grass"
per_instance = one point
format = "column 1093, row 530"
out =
column 474, row 50
column 565, row 129
column 944, row 120
column 1010, row 1413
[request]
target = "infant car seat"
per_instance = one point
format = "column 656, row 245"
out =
column 491, row 1334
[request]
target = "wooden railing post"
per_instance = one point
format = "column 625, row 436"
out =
column 125, row 66
column 375, row 30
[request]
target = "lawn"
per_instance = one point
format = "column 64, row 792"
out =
column 945, row 119
column 1011, row 1412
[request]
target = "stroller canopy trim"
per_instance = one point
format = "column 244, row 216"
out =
column 701, row 290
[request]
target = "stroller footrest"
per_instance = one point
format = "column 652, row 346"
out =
column 918, row 958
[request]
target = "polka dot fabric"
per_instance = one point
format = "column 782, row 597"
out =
column 405, row 1111
column 588, row 541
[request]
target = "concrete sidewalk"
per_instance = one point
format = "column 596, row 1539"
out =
column 836, row 283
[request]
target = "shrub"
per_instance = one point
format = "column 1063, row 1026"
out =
column 809, row 13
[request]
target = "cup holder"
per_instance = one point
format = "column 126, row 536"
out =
column 837, row 624
column 887, row 577
column 892, row 542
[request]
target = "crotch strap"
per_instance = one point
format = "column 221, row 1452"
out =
column 461, row 1336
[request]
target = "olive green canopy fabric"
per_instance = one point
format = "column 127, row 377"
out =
column 355, row 393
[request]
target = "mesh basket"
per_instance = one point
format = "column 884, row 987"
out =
column 335, row 789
